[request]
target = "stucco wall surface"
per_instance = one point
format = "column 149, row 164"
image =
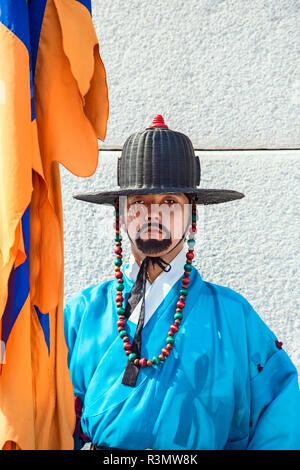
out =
column 226, row 71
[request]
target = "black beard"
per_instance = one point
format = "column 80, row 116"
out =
column 153, row 246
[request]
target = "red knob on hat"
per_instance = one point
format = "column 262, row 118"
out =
column 158, row 121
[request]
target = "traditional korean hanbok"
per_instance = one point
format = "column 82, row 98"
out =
column 227, row 383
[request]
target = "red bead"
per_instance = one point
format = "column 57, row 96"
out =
column 171, row 333
column 182, row 297
column 279, row 344
column 149, row 363
column 119, row 304
column 121, row 323
column 136, row 362
column 190, row 255
column 120, row 281
column 165, row 352
column 128, row 352
column 180, row 304
column 118, row 250
column 161, row 357
column 174, row 328
column 127, row 346
column 119, row 298
column 125, row 339
column 169, row 346
column 143, row 362
column 185, row 280
column 120, row 328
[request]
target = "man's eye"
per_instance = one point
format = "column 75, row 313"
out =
column 169, row 201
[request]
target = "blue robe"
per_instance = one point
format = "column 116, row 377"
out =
column 227, row 383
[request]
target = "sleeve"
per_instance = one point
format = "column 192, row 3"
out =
column 274, row 390
column 73, row 312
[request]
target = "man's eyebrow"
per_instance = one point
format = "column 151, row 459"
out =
column 134, row 198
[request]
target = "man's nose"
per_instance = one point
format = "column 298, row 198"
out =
column 154, row 212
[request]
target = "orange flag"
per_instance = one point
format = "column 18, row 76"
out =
column 53, row 108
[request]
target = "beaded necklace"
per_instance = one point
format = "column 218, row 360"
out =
column 178, row 316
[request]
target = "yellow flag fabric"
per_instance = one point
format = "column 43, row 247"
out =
column 53, row 108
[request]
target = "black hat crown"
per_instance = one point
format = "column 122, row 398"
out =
column 159, row 161
column 158, row 157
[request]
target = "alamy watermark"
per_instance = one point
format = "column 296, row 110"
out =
column 157, row 220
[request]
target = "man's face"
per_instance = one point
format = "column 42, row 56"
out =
column 155, row 222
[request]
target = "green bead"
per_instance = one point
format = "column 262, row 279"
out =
column 170, row 339
column 194, row 217
column 183, row 291
column 178, row 316
column 118, row 238
column 120, row 287
column 155, row 360
column 132, row 357
column 123, row 333
column 120, row 311
column 118, row 262
column 117, row 213
column 187, row 267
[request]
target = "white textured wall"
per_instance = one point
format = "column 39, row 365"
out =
column 227, row 74
column 225, row 71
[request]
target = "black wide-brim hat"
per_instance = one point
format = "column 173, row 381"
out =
column 159, row 161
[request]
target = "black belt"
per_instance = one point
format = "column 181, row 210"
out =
column 95, row 447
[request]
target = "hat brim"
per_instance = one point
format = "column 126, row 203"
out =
column 204, row 196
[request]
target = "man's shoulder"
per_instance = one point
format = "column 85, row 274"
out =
column 79, row 302
column 224, row 294
column 241, row 315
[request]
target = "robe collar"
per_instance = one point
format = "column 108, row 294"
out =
column 157, row 291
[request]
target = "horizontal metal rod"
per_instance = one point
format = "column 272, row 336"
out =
column 118, row 148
